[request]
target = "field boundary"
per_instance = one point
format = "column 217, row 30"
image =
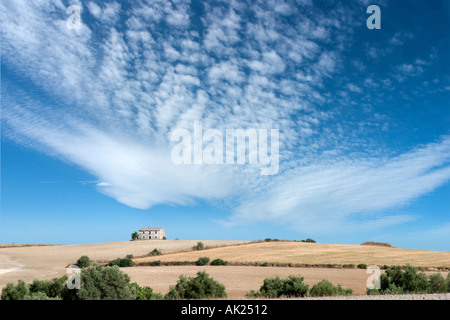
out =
column 157, row 263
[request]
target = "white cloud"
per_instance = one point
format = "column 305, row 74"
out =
column 108, row 14
column 333, row 196
column 121, row 90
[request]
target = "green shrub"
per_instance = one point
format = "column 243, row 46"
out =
column 15, row 292
column 436, row 283
column 309, row 240
column 252, row 294
column 155, row 252
column 362, row 266
column 294, row 287
column 219, row 262
column 398, row 281
column 265, row 264
column 97, row 283
column 134, row 235
column 372, row 292
column 84, row 262
column 447, row 280
column 121, row 262
column 105, row 283
column 40, row 296
column 129, row 256
column 145, row 293
column 55, row 288
column 326, row 288
column 42, row 286
column 290, row 287
column 199, row 246
column 200, row 287
column 202, row 261
column 267, row 239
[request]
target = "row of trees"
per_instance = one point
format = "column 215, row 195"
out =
column 294, row 286
column 398, row 281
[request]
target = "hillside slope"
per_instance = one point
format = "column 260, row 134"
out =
column 285, row 252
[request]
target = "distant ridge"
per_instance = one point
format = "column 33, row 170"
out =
column 373, row 243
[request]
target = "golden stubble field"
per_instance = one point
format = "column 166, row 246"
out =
column 313, row 253
column 45, row 262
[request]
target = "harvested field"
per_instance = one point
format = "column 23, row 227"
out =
column 45, row 262
column 239, row 280
column 298, row 253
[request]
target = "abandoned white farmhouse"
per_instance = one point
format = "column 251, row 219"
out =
column 152, row 233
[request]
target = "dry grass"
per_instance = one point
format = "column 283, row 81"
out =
column 298, row 253
column 239, row 280
column 44, row 262
column 18, row 245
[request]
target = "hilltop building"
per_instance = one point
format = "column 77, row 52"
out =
column 152, row 234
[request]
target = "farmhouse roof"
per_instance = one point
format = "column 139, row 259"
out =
column 150, row 229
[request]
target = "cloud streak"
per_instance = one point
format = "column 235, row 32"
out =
column 118, row 90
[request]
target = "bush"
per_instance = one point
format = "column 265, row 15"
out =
column 436, row 283
column 362, row 266
column 145, row 293
column 276, row 287
column 15, row 292
column 84, row 262
column 326, row 288
column 122, row 263
column 200, row 287
column 397, row 281
column 309, row 240
column 155, row 252
column 154, row 263
column 105, row 283
column 294, row 287
column 129, row 256
column 448, row 282
column 40, row 296
column 373, row 243
column 55, row 288
column 97, row 283
column 218, row 262
column 202, row 261
column 199, row 246
column 134, row 235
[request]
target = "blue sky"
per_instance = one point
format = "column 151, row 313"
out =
column 363, row 118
